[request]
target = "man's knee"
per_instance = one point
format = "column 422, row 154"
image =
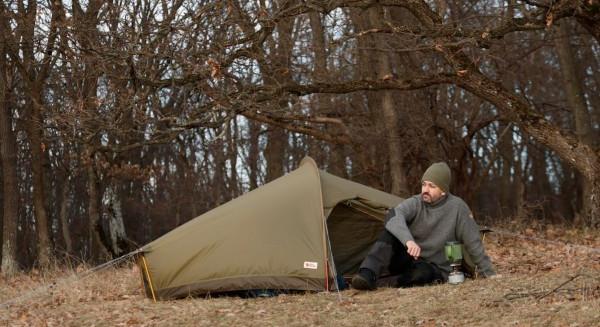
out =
column 387, row 237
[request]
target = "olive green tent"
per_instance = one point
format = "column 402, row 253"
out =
column 298, row 232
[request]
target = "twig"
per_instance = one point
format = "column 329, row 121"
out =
column 559, row 286
column 515, row 296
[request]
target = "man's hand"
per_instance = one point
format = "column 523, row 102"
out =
column 413, row 249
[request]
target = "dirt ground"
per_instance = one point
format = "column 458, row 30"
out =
column 547, row 277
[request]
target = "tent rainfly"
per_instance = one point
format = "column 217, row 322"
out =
column 298, row 232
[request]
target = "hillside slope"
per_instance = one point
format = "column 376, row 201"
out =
column 541, row 283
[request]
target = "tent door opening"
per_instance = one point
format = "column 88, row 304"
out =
column 353, row 227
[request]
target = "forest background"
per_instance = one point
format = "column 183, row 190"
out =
column 120, row 120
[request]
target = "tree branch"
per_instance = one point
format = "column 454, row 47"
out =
column 264, row 93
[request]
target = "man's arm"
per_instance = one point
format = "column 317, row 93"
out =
column 398, row 219
column 467, row 232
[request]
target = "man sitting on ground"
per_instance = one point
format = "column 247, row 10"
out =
column 411, row 247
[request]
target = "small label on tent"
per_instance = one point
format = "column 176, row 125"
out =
column 311, row 265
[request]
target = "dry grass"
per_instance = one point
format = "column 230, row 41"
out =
column 526, row 294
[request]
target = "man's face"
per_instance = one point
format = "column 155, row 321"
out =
column 430, row 192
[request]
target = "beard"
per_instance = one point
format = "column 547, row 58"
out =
column 426, row 197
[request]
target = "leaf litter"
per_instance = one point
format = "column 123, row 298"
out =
column 539, row 284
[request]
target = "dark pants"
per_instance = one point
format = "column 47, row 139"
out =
column 394, row 267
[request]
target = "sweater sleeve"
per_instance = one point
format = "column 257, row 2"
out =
column 400, row 217
column 467, row 232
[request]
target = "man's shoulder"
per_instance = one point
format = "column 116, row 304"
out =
column 457, row 201
column 415, row 199
column 410, row 202
column 455, row 198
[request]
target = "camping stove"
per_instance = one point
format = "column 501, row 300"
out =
column 454, row 255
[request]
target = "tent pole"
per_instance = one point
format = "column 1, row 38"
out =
column 331, row 264
column 326, row 275
column 148, row 276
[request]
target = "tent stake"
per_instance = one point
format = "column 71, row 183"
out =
column 149, row 278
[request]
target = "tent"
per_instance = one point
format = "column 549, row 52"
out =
column 298, row 232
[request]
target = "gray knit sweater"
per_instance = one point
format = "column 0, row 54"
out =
column 432, row 225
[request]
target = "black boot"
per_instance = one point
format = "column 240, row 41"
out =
column 365, row 280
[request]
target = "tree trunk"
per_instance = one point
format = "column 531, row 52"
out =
column 34, row 128
column 275, row 153
column 576, row 101
column 87, row 81
column 64, row 215
column 97, row 250
column 506, row 190
column 388, row 109
column 540, row 184
column 275, row 150
column 219, row 179
column 232, row 156
column 253, row 153
column 519, row 190
column 508, row 196
column 113, row 214
column 34, row 68
column 323, row 106
column 368, row 151
column 8, row 150
column 34, row 131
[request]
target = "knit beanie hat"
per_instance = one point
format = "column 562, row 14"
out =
column 439, row 174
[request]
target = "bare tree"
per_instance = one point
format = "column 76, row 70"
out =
column 172, row 108
column 8, row 152
column 34, row 65
column 576, row 100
